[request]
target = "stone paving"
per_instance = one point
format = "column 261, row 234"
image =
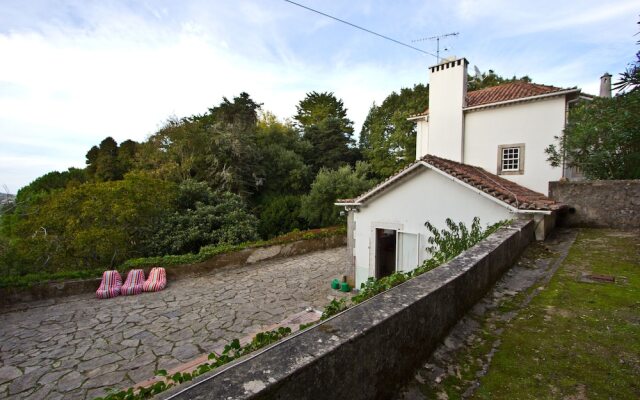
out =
column 76, row 347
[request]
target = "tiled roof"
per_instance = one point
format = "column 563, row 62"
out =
column 508, row 91
column 502, row 189
column 506, row 191
column 505, row 92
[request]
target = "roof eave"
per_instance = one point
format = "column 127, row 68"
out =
column 523, row 99
column 347, row 204
column 480, row 192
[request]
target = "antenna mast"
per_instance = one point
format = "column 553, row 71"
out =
column 437, row 39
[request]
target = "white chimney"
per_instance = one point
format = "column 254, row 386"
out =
column 605, row 85
column 447, row 97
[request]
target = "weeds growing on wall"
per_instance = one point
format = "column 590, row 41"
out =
column 232, row 351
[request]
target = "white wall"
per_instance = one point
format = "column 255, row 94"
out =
column 533, row 123
column 447, row 92
column 424, row 196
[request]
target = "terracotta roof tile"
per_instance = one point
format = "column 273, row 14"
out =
column 502, row 189
column 509, row 192
column 508, row 91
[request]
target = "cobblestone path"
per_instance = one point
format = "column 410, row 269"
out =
column 75, row 347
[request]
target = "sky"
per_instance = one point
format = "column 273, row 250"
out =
column 73, row 72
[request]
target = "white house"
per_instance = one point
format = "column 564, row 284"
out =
column 503, row 129
column 479, row 154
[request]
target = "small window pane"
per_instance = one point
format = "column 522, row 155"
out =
column 511, row 159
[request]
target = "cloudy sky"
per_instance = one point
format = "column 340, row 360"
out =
column 75, row 71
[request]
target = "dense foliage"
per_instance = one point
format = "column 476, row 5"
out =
column 199, row 184
column 602, row 138
column 202, row 217
column 387, row 138
column 87, row 226
column 206, row 183
column 331, row 185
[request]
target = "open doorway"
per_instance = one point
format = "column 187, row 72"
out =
column 385, row 252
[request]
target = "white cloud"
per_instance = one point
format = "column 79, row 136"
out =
column 75, row 73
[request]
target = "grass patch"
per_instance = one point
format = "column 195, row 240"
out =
column 576, row 340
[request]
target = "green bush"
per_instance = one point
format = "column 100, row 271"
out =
column 281, row 214
column 203, row 217
column 330, row 185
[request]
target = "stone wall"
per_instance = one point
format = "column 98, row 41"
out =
column 599, row 204
column 42, row 291
column 368, row 350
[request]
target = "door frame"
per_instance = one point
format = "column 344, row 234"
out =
column 373, row 243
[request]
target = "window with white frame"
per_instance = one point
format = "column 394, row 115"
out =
column 511, row 159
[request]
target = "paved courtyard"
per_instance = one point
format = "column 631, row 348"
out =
column 75, row 347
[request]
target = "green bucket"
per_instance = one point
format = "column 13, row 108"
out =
column 335, row 284
column 344, row 287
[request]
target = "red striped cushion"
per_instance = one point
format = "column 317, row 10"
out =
column 110, row 285
column 156, row 281
column 134, row 282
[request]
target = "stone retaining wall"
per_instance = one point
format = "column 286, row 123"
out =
column 370, row 349
column 42, row 291
column 599, row 204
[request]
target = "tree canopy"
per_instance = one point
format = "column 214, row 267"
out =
column 602, row 137
column 323, row 121
column 387, row 138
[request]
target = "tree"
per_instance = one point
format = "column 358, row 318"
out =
column 323, row 121
column 203, row 217
column 602, row 138
column 242, row 110
column 282, row 167
column 110, row 162
column 318, row 206
column 489, row 79
column 387, row 139
column 218, row 148
column 97, row 224
column 281, row 214
column 36, row 191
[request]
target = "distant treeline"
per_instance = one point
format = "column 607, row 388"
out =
column 233, row 174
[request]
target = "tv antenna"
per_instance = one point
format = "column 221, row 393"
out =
column 437, row 39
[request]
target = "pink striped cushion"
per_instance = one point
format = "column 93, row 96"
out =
column 156, row 281
column 110, row 285
column 134, row 282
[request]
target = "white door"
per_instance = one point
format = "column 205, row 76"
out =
column 408, row 251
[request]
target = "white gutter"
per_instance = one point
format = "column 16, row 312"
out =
column 347, row 204
column 522, row 99
column 486, row 195
column 417, row 117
